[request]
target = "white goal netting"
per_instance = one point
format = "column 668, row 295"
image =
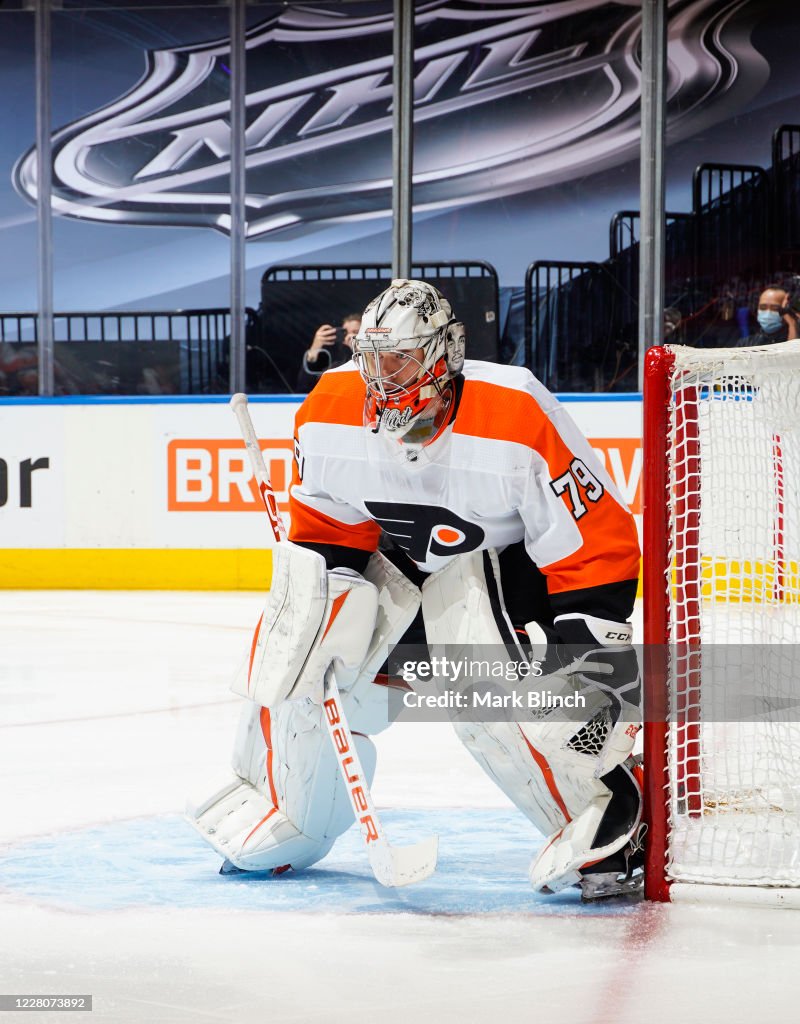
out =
column 734, row 616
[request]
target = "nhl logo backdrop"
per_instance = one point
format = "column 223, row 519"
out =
column 509, row 97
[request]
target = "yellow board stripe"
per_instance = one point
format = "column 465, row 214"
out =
column 758, row 581
column 135, row 569
column 750, row 580
column 251, row 569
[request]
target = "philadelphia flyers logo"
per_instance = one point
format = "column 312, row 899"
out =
column 424, row 530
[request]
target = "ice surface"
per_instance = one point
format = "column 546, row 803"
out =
column 115, row 707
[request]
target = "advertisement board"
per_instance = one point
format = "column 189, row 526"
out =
column 158, row 493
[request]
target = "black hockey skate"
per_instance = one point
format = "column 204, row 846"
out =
column 621, row 874
column 231, row 869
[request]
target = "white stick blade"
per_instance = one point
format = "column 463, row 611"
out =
column 394, row 866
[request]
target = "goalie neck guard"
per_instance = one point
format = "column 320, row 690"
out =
column 408, row 350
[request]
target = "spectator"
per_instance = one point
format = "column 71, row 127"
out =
column 672, row 319
column 325, row 353
column 743, row 320
column 777, row 321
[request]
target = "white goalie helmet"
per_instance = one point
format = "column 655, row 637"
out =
column 408, row 349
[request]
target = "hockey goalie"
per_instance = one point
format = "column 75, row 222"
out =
column 497, row 525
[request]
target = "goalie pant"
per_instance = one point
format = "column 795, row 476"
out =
column 288, row 803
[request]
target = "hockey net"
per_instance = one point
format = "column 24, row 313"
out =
column 722, row 618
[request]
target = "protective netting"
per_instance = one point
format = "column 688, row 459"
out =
column 734, row 588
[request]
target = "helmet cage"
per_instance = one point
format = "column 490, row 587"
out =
column 408, row 349
column 399, row 373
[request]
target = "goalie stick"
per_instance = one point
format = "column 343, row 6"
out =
column 391, row 865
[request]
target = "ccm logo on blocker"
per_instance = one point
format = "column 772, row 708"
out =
column 215, row 476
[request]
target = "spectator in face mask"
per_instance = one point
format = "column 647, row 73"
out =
column 777, row 321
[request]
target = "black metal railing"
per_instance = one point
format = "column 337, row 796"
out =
column 112, row 352
column 786, row 195
column 732, row 208
column 296, row 299
column 679, row 269
column 547, row 316
column 581, row 318
column 570, row 319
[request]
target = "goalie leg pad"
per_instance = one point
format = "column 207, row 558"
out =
column 242, row 825
column 603, row 828
column 288, row 802
column 285, row 633
column 563, row 775
column 602, row 813
column 500, row 749
column 462, row 605
column 585, row 819
column 398, row 603
column 312, row 617
column 549, row 795
column 344, row 635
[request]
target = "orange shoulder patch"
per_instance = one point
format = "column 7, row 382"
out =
column 499, row 413
column 336, row 398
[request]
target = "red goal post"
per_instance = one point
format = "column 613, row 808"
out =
column 721, row 532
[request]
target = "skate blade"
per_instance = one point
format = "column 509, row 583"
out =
column 230, row 869
column 606, row 886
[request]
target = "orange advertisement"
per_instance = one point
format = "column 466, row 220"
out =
column 206, row 475
column 622, row 458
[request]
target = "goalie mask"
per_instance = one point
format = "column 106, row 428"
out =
column 408, row 350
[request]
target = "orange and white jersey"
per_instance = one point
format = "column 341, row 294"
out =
column 511, row 466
